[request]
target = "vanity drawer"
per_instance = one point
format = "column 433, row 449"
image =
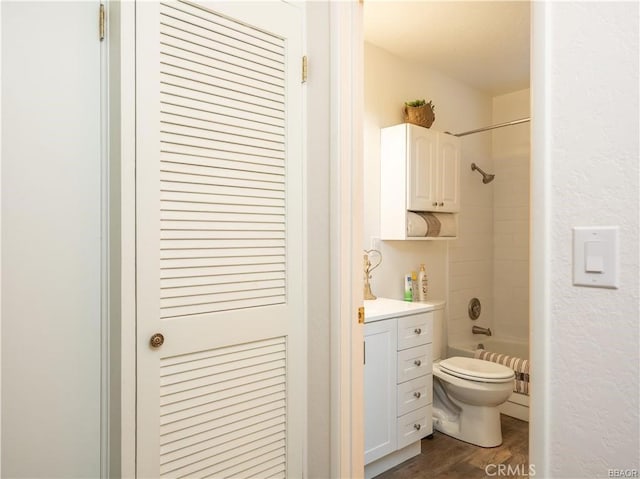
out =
column 414, row 426
column 413, row 363
column 414, row 330
column 414, row 394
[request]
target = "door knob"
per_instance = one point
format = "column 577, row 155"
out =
column 441, row 204
column 156, row 340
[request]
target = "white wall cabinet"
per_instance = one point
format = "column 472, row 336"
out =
column 419, row 171
column 398, row 389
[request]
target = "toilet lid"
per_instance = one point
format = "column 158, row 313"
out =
column 470, row 368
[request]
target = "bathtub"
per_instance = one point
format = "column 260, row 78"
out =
column 518, row 404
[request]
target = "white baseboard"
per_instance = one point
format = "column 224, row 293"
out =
column 391, row 460
column 516, row 410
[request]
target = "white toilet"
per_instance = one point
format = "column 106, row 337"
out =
column 466, row 395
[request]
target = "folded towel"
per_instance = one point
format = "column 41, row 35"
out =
column 432, row 225
column 520, row 367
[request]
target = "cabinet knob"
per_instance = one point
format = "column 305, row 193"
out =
column 417, row 330
column 417, row 427
column 441, row 203
column 417, row 395
column 417, row 362
column 435, row 203
column 156, row 340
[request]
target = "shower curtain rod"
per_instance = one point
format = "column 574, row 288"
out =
column 493, row 127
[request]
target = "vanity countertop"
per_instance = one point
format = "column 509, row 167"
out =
column 384, row 308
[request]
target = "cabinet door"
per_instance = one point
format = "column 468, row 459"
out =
column 379, row 389
column 421, row 179
column 449, row 173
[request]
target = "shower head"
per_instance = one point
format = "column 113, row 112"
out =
column 486, row 178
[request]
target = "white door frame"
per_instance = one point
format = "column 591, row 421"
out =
column 0, row 240
column 122, row 227
column 540, row 272
column 347, row 421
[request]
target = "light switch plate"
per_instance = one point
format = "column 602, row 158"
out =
column 596, row 256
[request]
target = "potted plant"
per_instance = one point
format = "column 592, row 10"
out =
column 419, row 112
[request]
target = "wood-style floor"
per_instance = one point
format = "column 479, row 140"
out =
column 446, row 458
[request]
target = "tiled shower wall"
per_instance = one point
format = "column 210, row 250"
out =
column 511, row 153
column 471, row 255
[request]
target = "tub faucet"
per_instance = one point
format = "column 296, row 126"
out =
column 481, row 330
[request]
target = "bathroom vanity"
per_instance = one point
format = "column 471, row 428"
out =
column 398, row 386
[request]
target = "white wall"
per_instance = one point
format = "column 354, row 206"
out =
column 585, row 145
column 51, row 240
column 389, row 82
column 511, row 151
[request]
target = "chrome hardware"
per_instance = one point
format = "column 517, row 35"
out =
column 417, row 362
column 417, row 331
column 486, row 177
column 475, row 308
column 481, row 330
column 156, row 340
column 492, row 127
column 417, row 427
column 417, row 395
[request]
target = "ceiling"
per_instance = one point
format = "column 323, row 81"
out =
column 484, row 44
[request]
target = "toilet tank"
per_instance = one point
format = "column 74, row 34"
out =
column 439, row 344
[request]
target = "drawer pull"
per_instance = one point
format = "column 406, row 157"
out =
column 417, row 362
column 417, row 395
column 417, row 427
column 417, row 330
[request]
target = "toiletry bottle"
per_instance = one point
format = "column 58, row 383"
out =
column 422, row 284
column 414, row 286
column 407, row 287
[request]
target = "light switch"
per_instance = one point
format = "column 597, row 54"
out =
column 595, row 256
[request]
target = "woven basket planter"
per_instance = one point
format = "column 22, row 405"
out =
column 419, row 115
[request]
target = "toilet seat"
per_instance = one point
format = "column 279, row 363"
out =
column 477, row 370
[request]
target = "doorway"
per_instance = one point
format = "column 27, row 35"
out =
column 490, row 257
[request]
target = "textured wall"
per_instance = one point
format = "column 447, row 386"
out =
column 389, row 82
column 511, row 153
column 592, row 84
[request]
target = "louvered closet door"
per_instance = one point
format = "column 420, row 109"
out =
column 219, row 239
